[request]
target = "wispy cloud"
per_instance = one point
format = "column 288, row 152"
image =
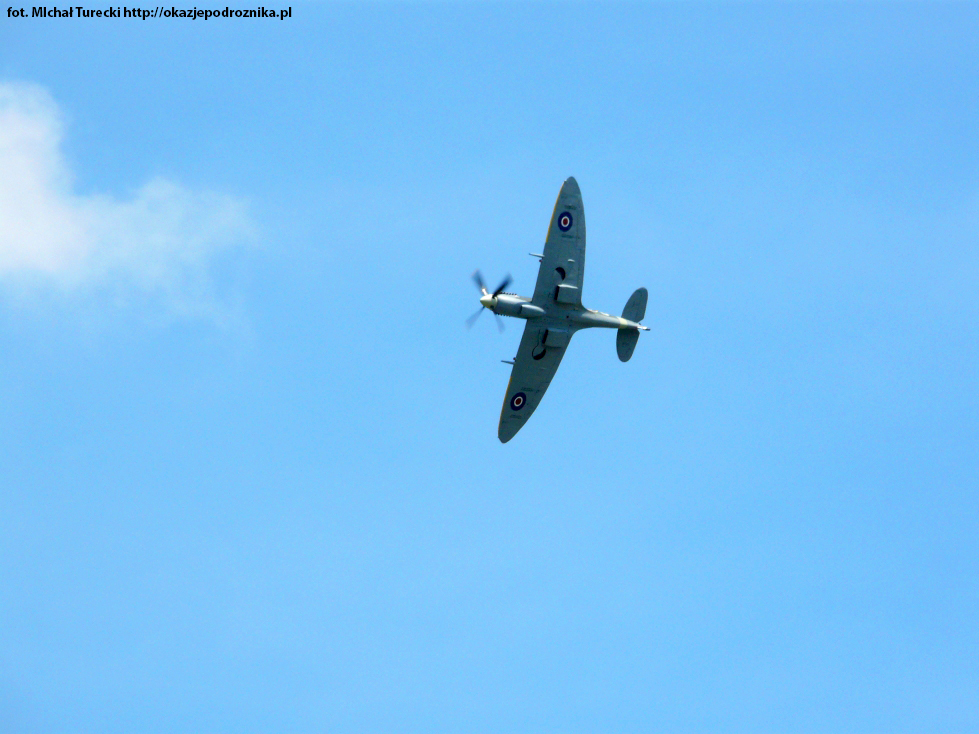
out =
column 158, row 246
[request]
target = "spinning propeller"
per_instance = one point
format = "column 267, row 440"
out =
column 488, row 300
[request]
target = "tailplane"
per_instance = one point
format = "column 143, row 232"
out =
column 635, row 311
column 625, row 343
column 635, row 307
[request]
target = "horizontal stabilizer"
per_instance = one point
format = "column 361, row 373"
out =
column 635, row 307
column 625, row 343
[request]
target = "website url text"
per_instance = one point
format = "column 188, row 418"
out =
column 79, row 11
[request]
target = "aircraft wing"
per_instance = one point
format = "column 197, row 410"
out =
column 538, row 357
column 562, row 269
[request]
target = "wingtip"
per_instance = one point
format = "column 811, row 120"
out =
column 505, row 434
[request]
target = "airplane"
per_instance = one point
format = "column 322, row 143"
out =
column 555, row 312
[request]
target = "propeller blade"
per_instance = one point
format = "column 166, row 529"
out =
column 499, row 322
column 506, row 281
column 472, row 319
column 478, row 278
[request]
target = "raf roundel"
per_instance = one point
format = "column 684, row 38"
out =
column 564, row 221
column 518, row 401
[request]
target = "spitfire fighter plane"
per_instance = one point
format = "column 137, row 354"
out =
column 555, row 312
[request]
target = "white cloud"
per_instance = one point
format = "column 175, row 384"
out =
column 158, row 245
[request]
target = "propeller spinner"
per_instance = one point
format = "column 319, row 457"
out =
column 488, row 300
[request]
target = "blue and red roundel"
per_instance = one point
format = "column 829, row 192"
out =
column 518, row 401
column 564, row 221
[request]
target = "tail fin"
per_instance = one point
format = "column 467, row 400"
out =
column 635, row 310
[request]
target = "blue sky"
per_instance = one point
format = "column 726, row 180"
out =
column 249, row 473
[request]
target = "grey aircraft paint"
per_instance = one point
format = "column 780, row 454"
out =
column 555, row 313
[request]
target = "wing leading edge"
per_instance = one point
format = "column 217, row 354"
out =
column 538, row 357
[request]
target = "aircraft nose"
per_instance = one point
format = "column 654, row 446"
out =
column 487, row 301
